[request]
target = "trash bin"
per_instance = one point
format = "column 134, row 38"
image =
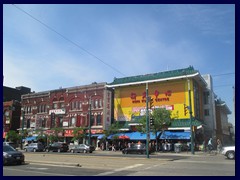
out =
column 177, row 147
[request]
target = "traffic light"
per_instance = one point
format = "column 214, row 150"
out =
column 185, row 109
column 151, row 121
column 151, row 103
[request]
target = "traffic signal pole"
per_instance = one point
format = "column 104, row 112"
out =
column 147, row 122
column 190, row 112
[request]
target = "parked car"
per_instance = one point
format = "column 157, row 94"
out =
column 14, row 145
column 136, row 149
column 12, row 156
column 229, row 152
column 81, row 148
column 57, row 147
column 34, row 147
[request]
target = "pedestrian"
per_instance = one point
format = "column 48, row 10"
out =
column 210, row 146
column 219, row 145
column 113, row 147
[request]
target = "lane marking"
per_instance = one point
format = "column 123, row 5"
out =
column 120, row 169
column 54, row 174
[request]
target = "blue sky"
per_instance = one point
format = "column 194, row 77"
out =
column 70, row 45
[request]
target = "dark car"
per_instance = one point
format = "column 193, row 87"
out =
column 12, row 156
column 136, row 149
column 57, row 147
column 81, row 148
column 34, row 147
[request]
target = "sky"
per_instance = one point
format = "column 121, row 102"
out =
column 48, row 46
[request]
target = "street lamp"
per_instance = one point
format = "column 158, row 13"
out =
column 90, row 114
column 22, row 118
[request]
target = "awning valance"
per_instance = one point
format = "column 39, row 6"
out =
column 175, row 135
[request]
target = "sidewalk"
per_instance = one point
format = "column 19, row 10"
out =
column 77, row 161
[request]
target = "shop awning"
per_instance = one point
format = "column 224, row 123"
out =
column 31, row 138
column 142, row 136
column 175, row 135
column 101, row 136
column 96, row 135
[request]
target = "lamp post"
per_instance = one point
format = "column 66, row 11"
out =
column 190, row 112
column 23, row 114
column 90, row 114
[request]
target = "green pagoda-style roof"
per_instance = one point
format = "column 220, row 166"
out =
column 184, row 123
column 155, row 76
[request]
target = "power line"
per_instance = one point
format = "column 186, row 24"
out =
column 224, row 85
column 223, row 74
column 64, row 37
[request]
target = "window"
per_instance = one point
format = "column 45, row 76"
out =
column 61, row 105
column 73, row 122
column 206, row 112
column 206, row 97
column 100, row 103
column 55, row 106
column 80, row 105
column 60, row 122
column 96, row 103
column 99, row 122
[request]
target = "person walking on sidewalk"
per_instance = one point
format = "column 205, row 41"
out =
column 219, row 146
column 210, row 146
column 113, row 148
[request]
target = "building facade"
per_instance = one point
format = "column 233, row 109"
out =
column 67, row 109
column 12, row 107
column 176, row 91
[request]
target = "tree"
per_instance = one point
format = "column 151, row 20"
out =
column 161, row 118
column 13, row 136
column 113, row 129
column 78, row 133
column 56, row 133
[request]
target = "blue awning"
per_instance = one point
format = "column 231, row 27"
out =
column 101, row 136
column 96, row 135
column 142, row 136
column 175, row 135
column 32, row 138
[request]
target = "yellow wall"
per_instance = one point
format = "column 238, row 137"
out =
column 172, row 95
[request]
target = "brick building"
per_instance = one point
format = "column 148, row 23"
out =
column 68, row 108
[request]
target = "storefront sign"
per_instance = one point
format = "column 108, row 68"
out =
column 107, row 109
column 57, row 111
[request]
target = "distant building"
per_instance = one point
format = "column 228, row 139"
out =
column 68, row 108
column 223, row 131
column 10, row 94
column 12, row 107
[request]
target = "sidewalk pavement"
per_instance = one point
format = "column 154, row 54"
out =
column 68, row 160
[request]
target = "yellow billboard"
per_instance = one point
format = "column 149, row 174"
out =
column 131, row 100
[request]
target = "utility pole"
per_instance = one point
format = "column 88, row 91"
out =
column 190, row 112
column 89, row 125
column 22, row 134
column 147, row 122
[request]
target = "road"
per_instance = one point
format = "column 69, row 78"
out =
column 116, row 164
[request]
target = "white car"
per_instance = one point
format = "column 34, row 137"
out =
column 229, row 152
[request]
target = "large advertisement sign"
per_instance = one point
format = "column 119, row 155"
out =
column 131, row 101
column 107, row 100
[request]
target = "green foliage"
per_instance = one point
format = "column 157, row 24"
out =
column 13, row 136
column 113, row 129
column 78, row 133
column 162, row 119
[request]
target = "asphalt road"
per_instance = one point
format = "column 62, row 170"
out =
column 117, row 164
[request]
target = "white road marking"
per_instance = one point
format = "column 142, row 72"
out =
column 38, row 168
column 120, row 169
column 53, row 174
